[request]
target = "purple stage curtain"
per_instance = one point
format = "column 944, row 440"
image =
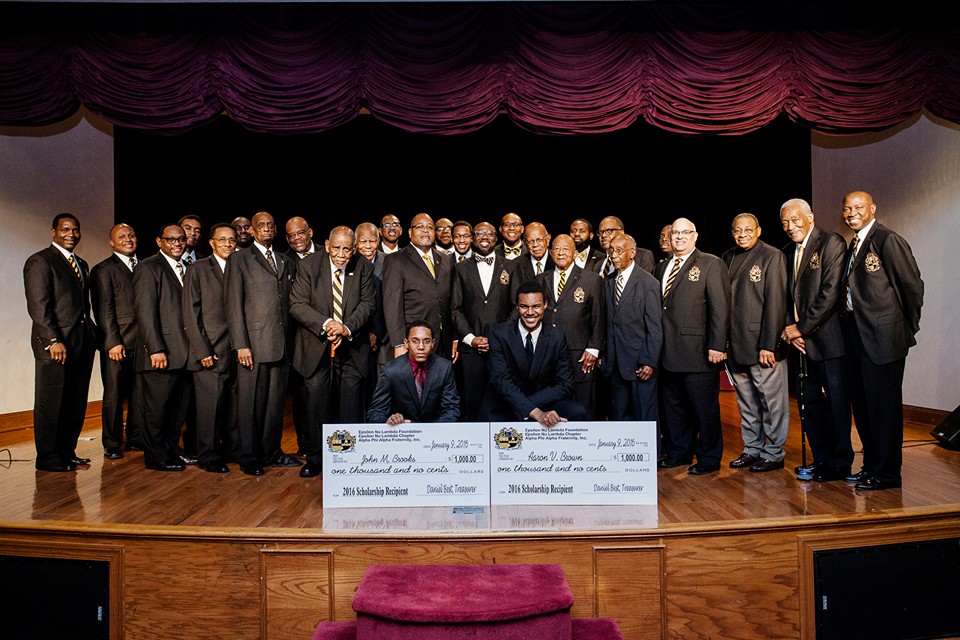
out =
column 450, row 68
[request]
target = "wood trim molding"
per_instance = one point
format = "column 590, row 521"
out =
column 24, row 419
column 922, row 415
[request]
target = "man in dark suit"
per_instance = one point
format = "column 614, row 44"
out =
column 575, row 305
column 63, row 337
column 300, row 240
column 113, row 303
column 666, row 248
column 695, row 290
column 390, row 231
column 483, row 295
column 462, row 241
column 368, row 243
column 634, row 336
column 257, row 296
column 758, row 291
column 193, row 227
column 815, row 262
column 418, row 388
column 332, row 301
column 511, row 230
column 162, row 354
column 536, row 260
column 581, row 230
column 212, row 359
column 530, row 376
column 611, row 227
column 884, row 294
column 242, row 226
column 417, row 285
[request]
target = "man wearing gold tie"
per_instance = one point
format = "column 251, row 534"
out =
column 332, row 300
column 536, row 260
column 63, row 337
column 417, row 285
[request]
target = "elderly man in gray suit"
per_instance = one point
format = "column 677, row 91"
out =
column 758, row 290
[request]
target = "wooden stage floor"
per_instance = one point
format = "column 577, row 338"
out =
column 121, row 493
column 200, row 555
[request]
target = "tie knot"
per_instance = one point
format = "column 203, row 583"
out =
column 338, row 273
column 484, row 259
column 511, row 251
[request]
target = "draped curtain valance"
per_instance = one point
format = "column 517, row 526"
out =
column 448, row 68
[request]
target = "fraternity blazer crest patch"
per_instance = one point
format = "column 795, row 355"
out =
column 872, row 262
column 755, row 273
column 504, row 277
column 579, row 296
column 815, row 260
column 694, row 274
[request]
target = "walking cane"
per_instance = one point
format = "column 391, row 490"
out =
column 802, row 410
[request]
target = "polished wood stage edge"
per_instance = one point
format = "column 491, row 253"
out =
column 121, row 495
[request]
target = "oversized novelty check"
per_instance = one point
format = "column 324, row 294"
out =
column 574, row 463
column 408, row 465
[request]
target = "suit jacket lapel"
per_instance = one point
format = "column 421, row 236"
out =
column 684, row 270
column 861, row 250
column 573, row 277
column 516, row 347
column 538, row 354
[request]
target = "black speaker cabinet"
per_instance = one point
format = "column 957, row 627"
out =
column 947, row 432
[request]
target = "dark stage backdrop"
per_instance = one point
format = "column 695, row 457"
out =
column 366, row 169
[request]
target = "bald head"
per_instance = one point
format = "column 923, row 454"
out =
column 683, row 237
column 563, row 251
column 537, row 239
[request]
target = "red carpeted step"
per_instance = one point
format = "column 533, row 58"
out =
column 596, row 629
column 336, row 631
column 449, row 602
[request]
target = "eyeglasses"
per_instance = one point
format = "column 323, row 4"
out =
column 423, row 227
column 485, row 234
column 606, row 232
column 743, row 232
column 536, row 241
column 389, row 225
column 175, row 240
column 463, row 236
column 444, row 228
column 686, row 233
column 616, row 252
column 417, row 342
column 227, row 241
column 512, row 225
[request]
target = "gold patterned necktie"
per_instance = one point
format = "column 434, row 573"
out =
column 461, row 258
column 673, row 276
column 337, row 296
column 180, row 271
column 483, row 259
column 511, row 251
column 133, row 263
column 539, row 268
column 429, row 261
column 273, row 265
column 188, row 259
column 76, row 267
column 799, row 261
column 563, row 281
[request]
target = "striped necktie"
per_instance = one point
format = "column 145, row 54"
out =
column 133, row 263
column 337, row 296
column 673, row 276
column 76, row 267
column 539, row 268
column 563, row 281
column 180, row 271
column 188, row 259
column 273, row 265
column 618, row 292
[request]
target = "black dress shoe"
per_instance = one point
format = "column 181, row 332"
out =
column 873, row 483
column 78, row 461
column 804, row 469
column 310, row 470
column 284, row 460
column 133, row 446
column 185, row 459
column 57, row 467
column 112, row 453
column 165, row 466
column 701, row 469
column 745, row 460
column 860, row 476
column 761, row 466
column 670, row 463
column 252, row 469
column 214, row 467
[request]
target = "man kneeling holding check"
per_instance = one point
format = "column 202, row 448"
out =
column 417, row 388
